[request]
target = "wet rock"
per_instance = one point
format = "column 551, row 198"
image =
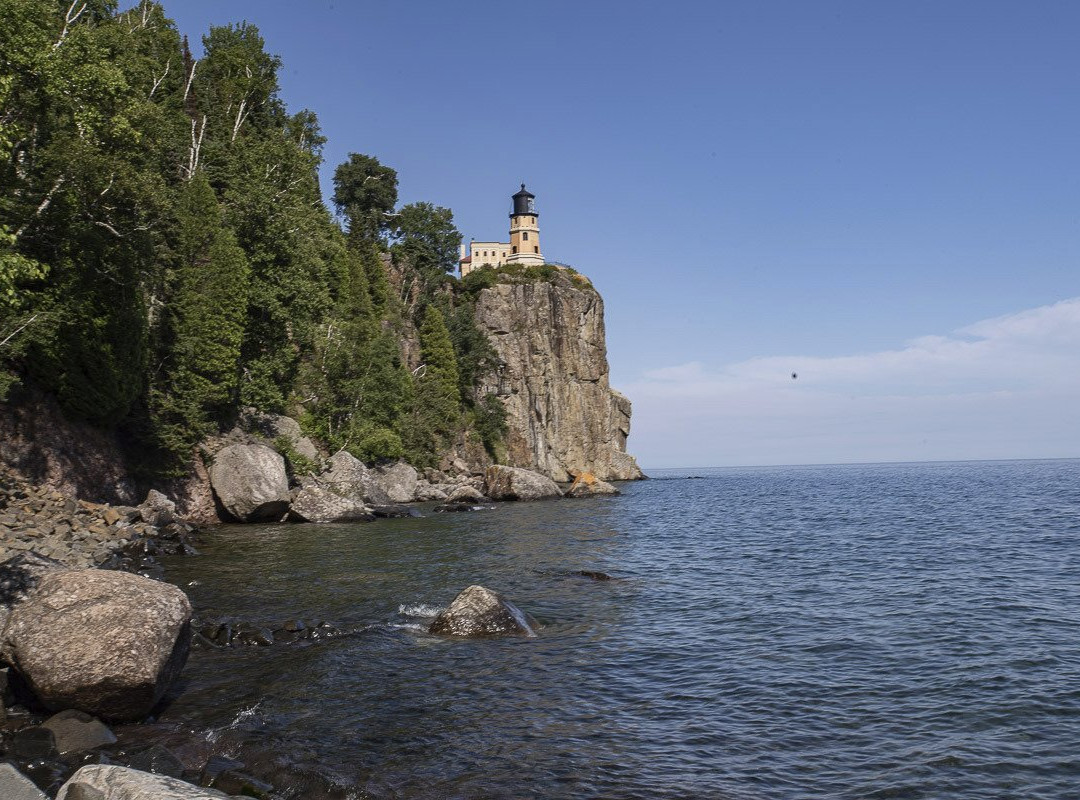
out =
column 252, row 635
column 398, row 480
column 16, row 786
column 478, row 611
column 594, row 575
column 33, row 743
column 348, row 476
column 450, row 508
column 158, row 759
column 315, row 503
column 395, row 512
column 514, row 483
column 250, row 482
column 588, row 485
column 157, row 509
column 239, row 783
column 123, row 783
column 75, row 731
column 107, row 643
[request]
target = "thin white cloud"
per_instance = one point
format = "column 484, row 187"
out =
column 1007, row 387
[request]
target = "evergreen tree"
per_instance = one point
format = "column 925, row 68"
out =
column 365, row 192
column 204, row 327
column 436, row 406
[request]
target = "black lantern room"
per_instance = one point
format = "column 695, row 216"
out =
column 523, row 203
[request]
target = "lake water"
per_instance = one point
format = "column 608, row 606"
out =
column 871, row 631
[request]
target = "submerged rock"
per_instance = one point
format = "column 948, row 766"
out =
column 122, row 783
column 515, row 483
column 107, row 643
column 75, row 731
column 249, row 481
column 478, row 611
column 588, row 485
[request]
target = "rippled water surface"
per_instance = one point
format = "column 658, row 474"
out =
column 882, row 631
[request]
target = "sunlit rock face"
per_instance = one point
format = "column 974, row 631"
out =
column 563, row 416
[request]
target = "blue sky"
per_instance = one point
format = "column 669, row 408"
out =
column 751, row 185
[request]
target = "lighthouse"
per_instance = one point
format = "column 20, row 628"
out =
column 524, row 232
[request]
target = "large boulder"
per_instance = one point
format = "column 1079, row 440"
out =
column 398, row 480
column 249, row 481
column 103, row 782
column 515, row 483
column 317, row 503
column 348, row 476
column 588, row 485
column 478, row 611
column 107, row 643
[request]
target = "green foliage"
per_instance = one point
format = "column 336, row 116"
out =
column 365, row 192
column 427, row 241
column 166, row 256
column 203, row 329
column 436, row 404
column 486, row 277
column 295, row 463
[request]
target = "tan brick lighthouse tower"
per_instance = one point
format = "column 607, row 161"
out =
column 524, row 232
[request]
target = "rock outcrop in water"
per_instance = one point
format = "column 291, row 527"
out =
column 478, row 611
column 564, row 418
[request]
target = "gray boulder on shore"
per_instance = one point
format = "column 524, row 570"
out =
column 514, row 483
column 250, row 482
column 103, row 782
column 348, row 476
column 398, row 480
column 107, row 643
column 479, row 611
column 318, row 503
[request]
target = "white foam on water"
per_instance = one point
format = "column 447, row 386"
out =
column 419, row 610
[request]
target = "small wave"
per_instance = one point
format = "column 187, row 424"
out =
column 245, row 715
column 408, row 626
column 419, row 610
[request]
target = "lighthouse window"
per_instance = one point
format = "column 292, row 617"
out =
column 515, row 248
column 526, row 234
column 536, row 249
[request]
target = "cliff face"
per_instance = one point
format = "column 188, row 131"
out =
column 563, row 415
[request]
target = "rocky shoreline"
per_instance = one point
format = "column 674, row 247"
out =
column 84, row 605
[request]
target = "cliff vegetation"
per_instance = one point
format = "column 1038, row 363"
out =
column 166, row 258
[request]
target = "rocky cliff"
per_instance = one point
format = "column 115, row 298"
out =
column 563, row 416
